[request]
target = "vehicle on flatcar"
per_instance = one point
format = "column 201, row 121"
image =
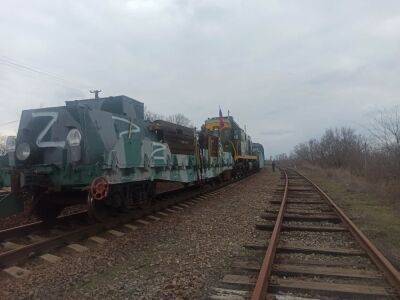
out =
column 103, row 152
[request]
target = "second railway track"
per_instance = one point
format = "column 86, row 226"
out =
column 313, row 250
column 18, row 244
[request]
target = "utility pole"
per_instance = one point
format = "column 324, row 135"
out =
column 96, row 93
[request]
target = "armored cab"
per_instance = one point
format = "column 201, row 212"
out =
column 62, row 152
column 65, row 147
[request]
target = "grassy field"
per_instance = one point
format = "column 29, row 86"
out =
column 376, row 215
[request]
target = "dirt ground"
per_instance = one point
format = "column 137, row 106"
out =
column 376, row 215
column 181, row 256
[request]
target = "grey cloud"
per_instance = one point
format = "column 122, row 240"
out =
column 302, row 65
column 277, row 132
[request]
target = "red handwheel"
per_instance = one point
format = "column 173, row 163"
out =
column 99, row 188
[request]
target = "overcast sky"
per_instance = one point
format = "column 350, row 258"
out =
column 285, row 69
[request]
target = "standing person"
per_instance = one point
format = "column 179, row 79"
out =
column 273, row 166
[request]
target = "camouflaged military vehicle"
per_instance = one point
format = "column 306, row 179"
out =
column 104, row 153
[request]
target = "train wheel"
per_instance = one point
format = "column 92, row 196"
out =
column 101, row 210
column 97, row 209
column 147, row 195
column 46, row 210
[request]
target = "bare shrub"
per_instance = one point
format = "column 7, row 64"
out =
column 376, row 158
column 178, row 119
column 338, row 148
column 385, row 133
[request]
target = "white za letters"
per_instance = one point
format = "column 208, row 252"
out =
column 53, row 115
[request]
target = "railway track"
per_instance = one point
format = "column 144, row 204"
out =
column 22, row 243
column 313, row 250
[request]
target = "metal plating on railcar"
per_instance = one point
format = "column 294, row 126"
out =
column 103, row 152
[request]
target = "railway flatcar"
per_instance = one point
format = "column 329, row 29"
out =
column 104, row 153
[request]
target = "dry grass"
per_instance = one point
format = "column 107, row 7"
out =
column 374, row 207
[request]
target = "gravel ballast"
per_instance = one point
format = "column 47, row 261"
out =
column 181, row 256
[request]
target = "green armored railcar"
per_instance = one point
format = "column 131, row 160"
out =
column 103, row 152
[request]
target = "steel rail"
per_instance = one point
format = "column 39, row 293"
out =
column 26, row 252
column 18, row 231
column 390, row 272
column 19, row 255
column 261, row 288
column 25, row 229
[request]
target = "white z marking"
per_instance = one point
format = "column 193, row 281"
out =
column 39, row 142
column 162, row 148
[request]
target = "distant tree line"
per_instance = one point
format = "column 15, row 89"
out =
column 178, row 118
column 375, row 155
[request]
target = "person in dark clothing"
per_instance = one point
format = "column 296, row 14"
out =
column 273, row 166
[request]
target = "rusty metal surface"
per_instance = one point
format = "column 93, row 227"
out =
column 391, row 274
column 264, row 284
column 260, row 290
